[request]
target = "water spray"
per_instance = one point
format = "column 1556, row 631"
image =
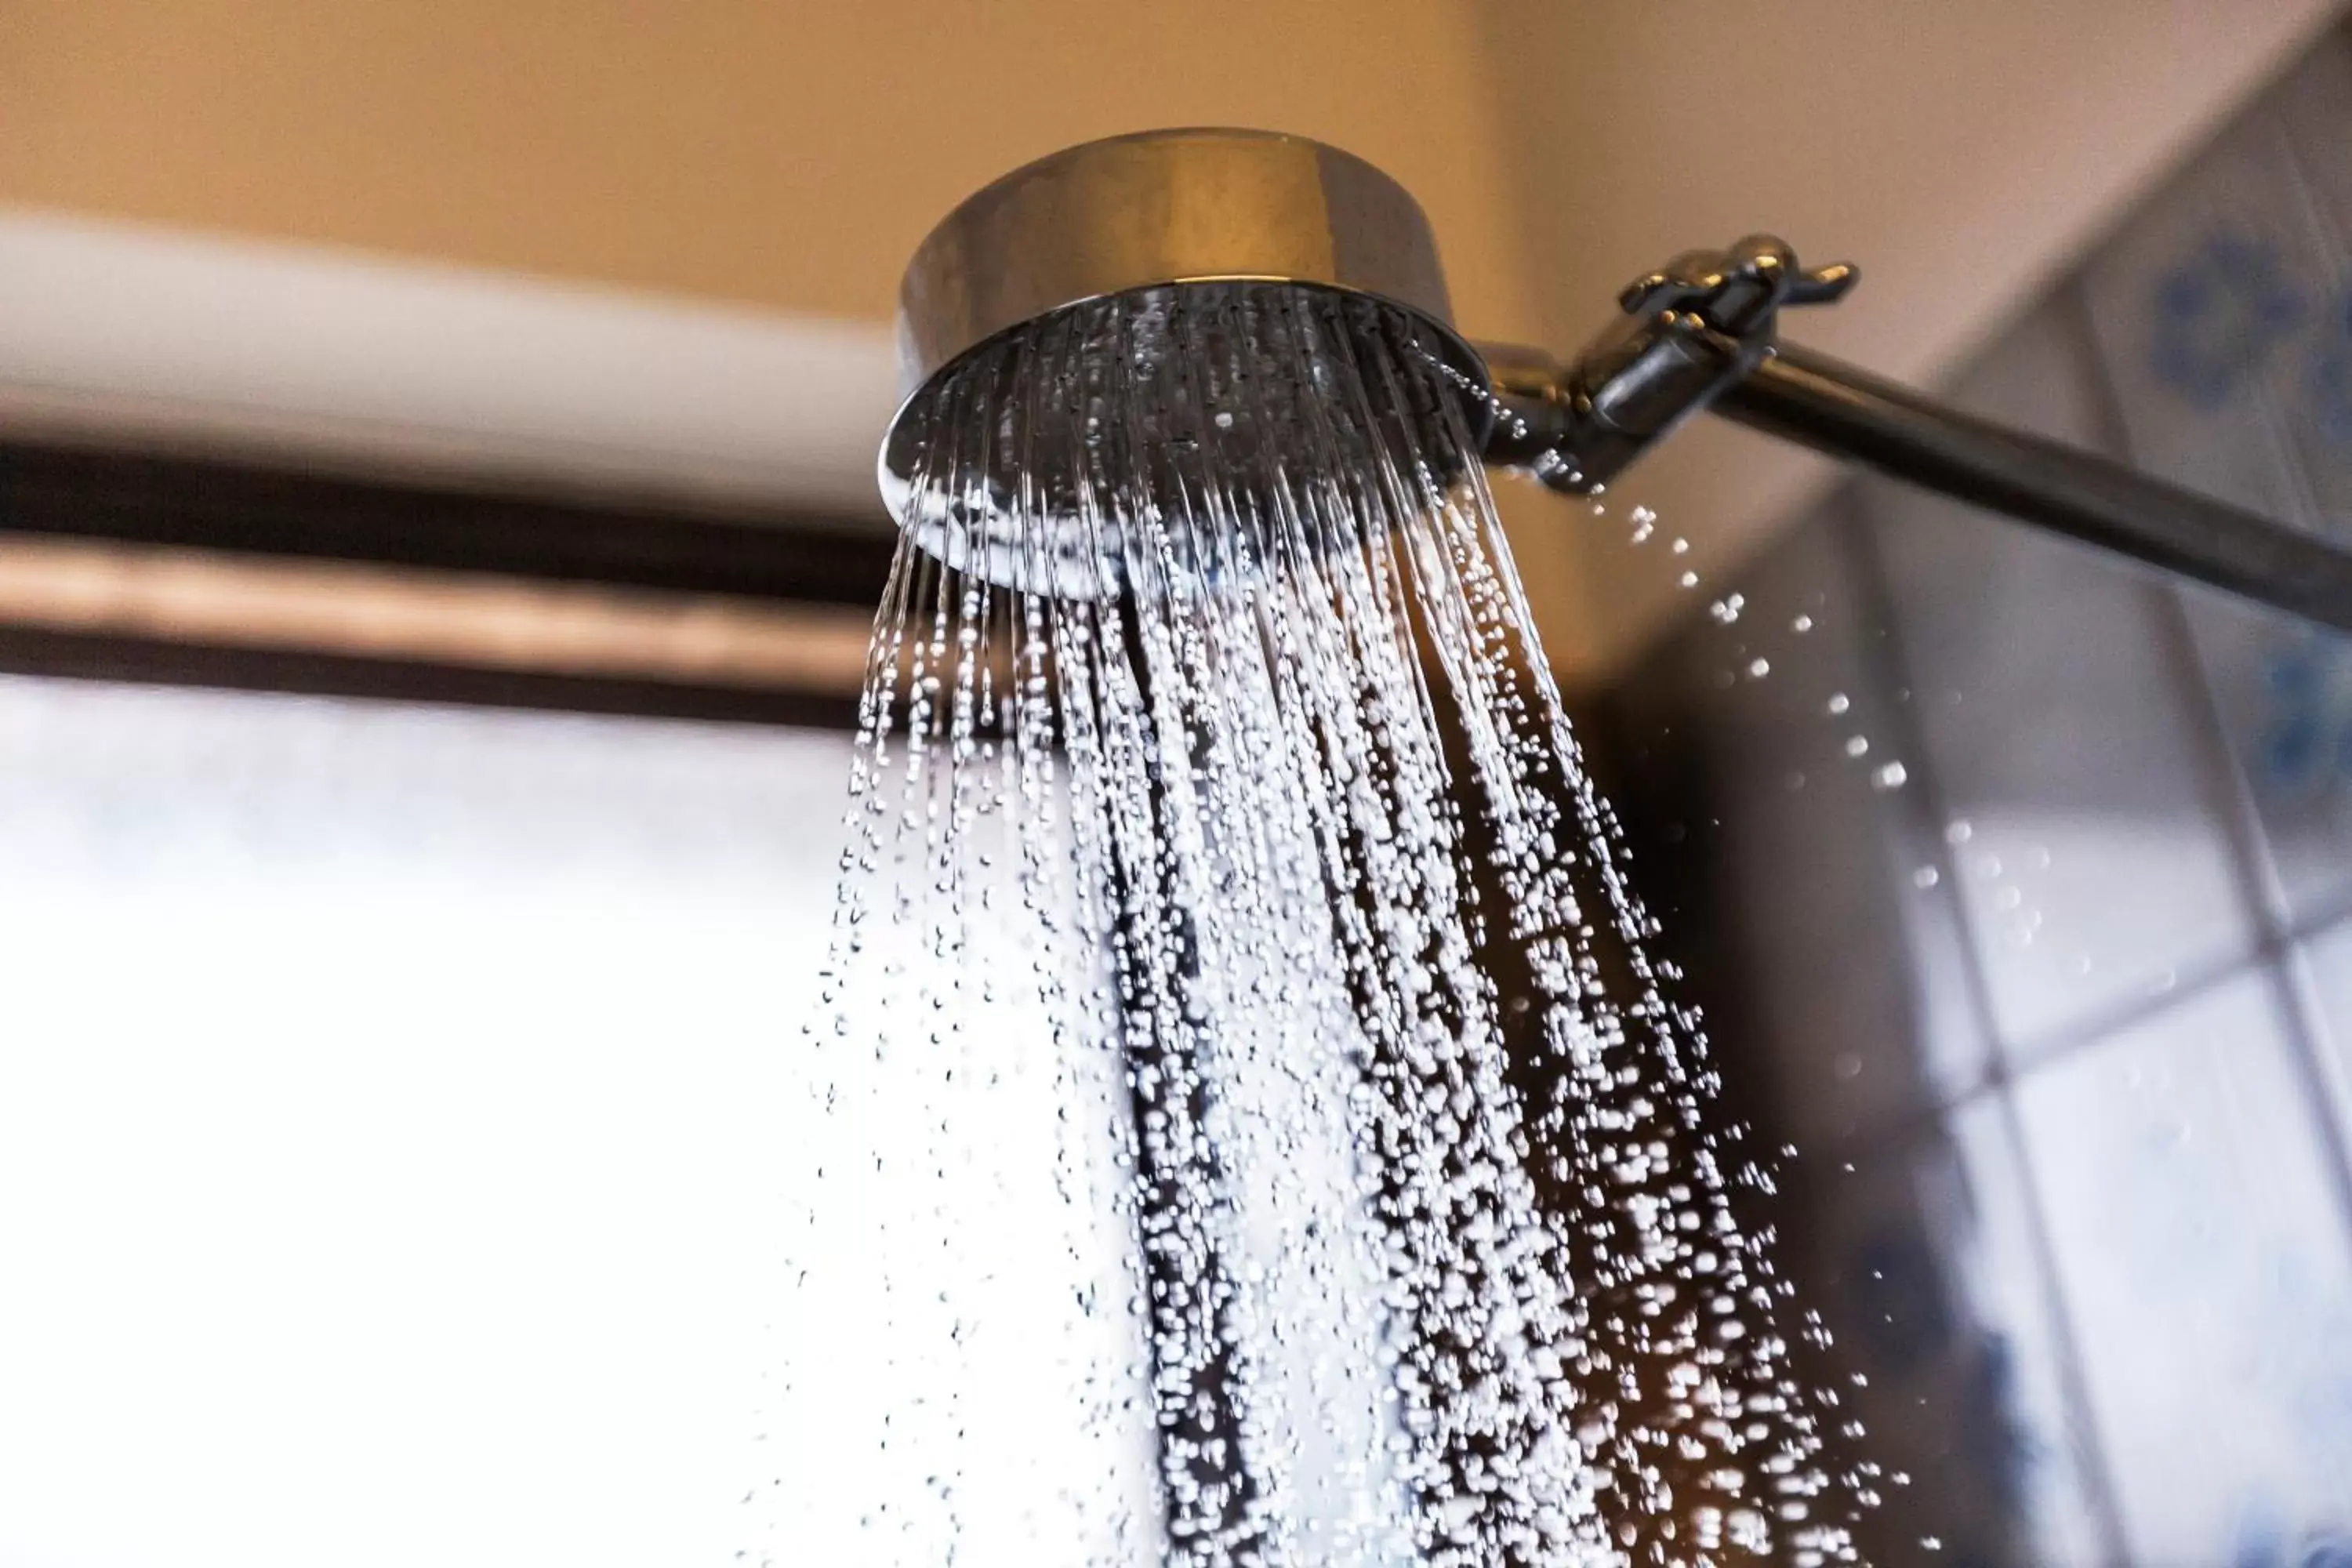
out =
column 1431, row 1239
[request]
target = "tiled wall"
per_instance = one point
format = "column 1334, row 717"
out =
column 2025, row 886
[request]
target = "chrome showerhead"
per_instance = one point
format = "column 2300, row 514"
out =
column 1081, row 327
column 1084, row 339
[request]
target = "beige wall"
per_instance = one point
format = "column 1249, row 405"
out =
column 773, row 152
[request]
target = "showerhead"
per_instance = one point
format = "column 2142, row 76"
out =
column 1169, row 359
column 1174, row 359
column 1090, row 324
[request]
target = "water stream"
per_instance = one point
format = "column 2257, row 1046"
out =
column 1400, row 1222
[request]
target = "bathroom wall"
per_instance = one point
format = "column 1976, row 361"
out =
column 778, row 161
column 1961, row 154
column 2024, row 885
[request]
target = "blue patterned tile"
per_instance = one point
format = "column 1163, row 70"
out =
column 2328, row 377
column 2083, row 808
column 2218, row 312
column 2224, row 313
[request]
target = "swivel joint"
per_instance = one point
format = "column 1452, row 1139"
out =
column 1690, row 329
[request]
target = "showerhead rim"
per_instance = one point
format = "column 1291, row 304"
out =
column 1151, row 208
column 1163, row 209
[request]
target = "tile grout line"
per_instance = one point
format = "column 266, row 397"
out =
column 1899, row 1131
column 2099, row 1026
column 2073, row 1040
column 1876, row 593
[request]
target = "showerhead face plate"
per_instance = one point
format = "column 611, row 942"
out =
column 1177, row 437
column 1088, row 341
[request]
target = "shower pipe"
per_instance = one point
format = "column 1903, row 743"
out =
column 1159, row 210
column 1699, row 336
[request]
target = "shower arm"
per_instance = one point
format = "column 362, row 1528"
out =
column 1701, row 335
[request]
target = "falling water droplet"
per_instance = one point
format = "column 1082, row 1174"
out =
column 1258, row 860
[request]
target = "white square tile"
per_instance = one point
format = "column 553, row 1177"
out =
column 2284, row 694
column 1926, row 1262
column 2207, row 1268
column 2325, row 963
column 2082, row 800
column 2223, row 315
column 1851, row 966
column 2003, row 1281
